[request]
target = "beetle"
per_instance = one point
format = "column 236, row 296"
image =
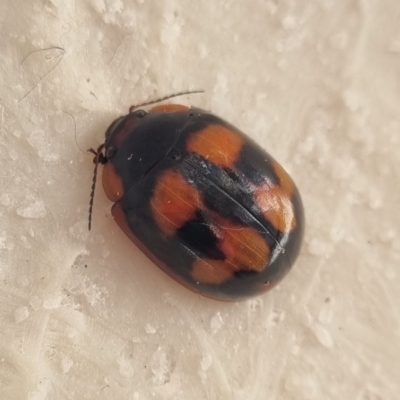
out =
column 201, row 199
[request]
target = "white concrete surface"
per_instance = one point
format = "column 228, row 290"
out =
column 87, row 316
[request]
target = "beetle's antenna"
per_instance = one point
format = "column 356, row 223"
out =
column 98, row 159
column 132, row 108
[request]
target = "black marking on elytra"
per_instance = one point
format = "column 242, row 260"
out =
column 197, row 234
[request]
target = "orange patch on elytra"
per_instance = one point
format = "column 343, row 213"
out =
column 275, row 201
column 244, row 248
column 170, row 108
column 217, row 144
column 286, row 182
column 210, row 271
column 112, row 182
column 276, row 206
column 174, row 202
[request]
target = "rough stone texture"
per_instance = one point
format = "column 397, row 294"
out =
column 86, row 315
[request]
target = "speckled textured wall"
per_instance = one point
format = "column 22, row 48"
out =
column 87, row 315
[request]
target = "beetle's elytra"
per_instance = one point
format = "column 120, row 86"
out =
column 202, row 200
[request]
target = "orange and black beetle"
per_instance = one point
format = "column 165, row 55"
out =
column 202, row 200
